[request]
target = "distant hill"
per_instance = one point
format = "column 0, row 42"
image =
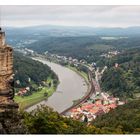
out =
column 52, row 30
column 15, row 35
column 66, row 40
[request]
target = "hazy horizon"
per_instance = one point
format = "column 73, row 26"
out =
column 68, row 26
column 85, row 16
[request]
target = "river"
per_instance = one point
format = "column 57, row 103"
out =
column 71, row 87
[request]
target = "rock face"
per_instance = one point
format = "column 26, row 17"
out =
column 10, row 120
column 6, row 76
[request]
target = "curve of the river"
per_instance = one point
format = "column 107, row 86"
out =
column 72, row 87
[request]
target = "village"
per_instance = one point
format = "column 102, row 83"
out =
column 98, row 104
column 95, row 106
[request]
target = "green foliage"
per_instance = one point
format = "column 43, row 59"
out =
column 11, row 122
column 123, row 81
column 84, row 47
column 114, row 82
column 125, row 119
column 87, row 47
column 45, row 121
column 26, row 68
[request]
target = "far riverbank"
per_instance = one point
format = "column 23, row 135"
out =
column 72, row 87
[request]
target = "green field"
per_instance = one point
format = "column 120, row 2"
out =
column 27, row 101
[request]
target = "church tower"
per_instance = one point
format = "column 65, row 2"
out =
column 6, row 76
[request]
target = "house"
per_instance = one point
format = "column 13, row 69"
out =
column 22, row 91
column 116, row 65
column 87, row 107
column 98, row 102
column 112, row 106
column 94, row 111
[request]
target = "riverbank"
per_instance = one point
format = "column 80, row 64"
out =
column 72, row 87
column 36, row 97
column 81, row 73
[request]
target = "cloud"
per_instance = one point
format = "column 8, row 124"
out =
column 96, row 16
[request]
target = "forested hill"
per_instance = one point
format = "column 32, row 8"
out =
column 88, row 47
column 125, row 119
column 123, row 81
column 28, row 71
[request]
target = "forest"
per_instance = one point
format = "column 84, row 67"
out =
column 126, row 118
column 28, row 71
column 122, row 120
column 123, row 81
column 88, row 47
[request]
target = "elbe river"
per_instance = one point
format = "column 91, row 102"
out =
column 71, row 87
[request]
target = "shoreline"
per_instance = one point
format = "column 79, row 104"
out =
column 78, row 73
column 25, row 105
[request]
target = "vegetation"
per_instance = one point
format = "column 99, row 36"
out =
column 45, row 121
column 123, row 81
column 29, row 72
column 125, row 118
column 27, row 101
column 42, row 83
column 88, row 47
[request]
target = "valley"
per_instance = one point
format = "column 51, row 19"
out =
column 114, row 64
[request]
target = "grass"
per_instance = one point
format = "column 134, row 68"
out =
column 36, row 97
column 27, row 101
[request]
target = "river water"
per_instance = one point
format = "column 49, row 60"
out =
column 71, row 87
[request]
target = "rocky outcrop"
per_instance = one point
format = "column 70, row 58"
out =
column 6, row 76
column 10, row 123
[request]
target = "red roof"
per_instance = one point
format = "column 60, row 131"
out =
column 88, row 106
column 74, row 110
column 22, row 89
column 93, row 111
column 112, row 106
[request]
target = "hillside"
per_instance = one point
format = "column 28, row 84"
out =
column 122, row 120
column 63, row 40
column 28, row 71
column 88, row 47
column 125, row 118
column 123, row 81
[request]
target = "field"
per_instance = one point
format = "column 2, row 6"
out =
column 27, row 101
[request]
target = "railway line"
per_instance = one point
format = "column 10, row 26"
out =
column 90, row 92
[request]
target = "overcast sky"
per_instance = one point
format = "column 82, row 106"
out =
column 95, row 16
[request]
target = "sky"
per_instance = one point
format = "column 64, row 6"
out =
column 93, row 16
